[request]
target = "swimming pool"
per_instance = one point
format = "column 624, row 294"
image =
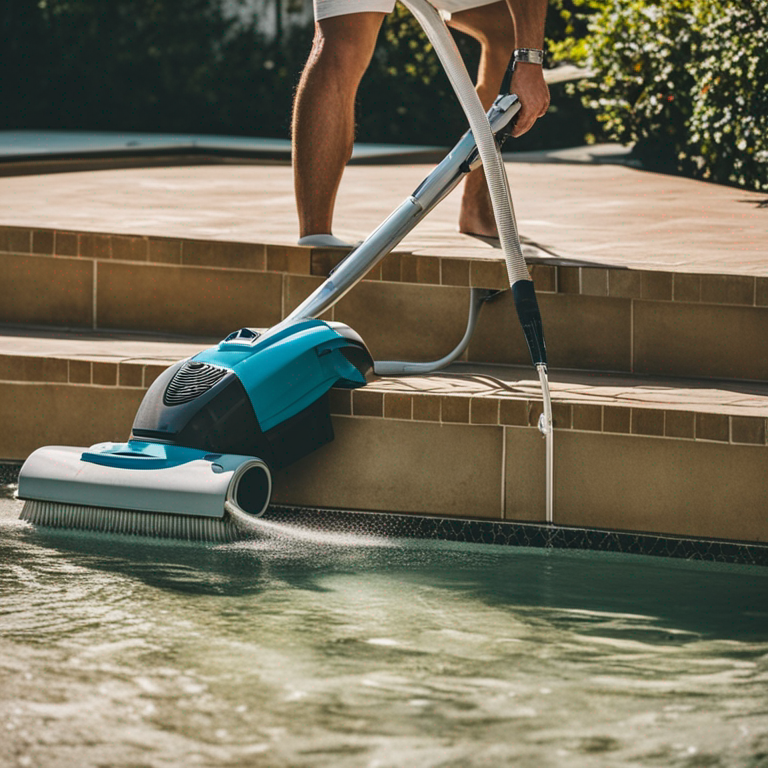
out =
column 318, row 649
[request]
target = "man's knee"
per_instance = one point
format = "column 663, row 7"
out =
column 491, row 25
column 346, row 43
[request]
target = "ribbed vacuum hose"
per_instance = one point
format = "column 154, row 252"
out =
column 445, row 47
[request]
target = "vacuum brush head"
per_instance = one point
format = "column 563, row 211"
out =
column 145, row 489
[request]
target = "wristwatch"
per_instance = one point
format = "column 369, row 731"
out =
column 528, row 55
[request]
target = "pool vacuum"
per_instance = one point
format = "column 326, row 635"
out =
column 212, row 429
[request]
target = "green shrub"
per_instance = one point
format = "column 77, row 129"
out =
column 182, row 66
column 405, row 96
column 687, row 81
column 728, row 127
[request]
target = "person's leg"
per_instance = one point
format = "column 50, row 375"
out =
column 492, row 26
column 324, row 113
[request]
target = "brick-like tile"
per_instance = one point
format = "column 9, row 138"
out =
column 700, row 340
column 367, row 403
column 594, row 281
column 616, row 419
column 455, row 409
column 687, row 288
column 323, row 260
column 151, row 372
column 15, row 240
column 761, row 292
column 130, row 248
column 677, row 487
column 79, row 371
column 426, row 407
column 647, row 421
column 63, row 414
column 419, row 269
column 562, row 415
column 591, row 332
column 27, row 368
column 42, row 241
column 625, row 283
column 418, row 468
column 488, row 274
column 340, row 401
column 195, row 301
column 409, row 268
column 164, row 250
column 535, row 409
column 391, row 267
column 544, row 277
column 484, row 410
column 454, row 271
column 680, row 424
column 95, row 246
column 404, row 321
column 214, row 253
column 525, row 475
column 513, row 412
column 292, row 259
column 568, row 280
column 47, row 290
column 749, row 430
column 397, row 405
column 712, row 426
column 657, row 286
column 588, row 417
column 65, row 244
column 130, row 375
column 296, row 288
column 728, row 289
column 104, row 374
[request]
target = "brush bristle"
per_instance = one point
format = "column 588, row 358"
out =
column 128, row 522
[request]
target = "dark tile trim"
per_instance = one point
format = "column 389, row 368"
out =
column 502, row 533
column 523, row 535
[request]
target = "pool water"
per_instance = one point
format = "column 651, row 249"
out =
column 312, row 649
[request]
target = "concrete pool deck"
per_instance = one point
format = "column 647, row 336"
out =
column 585, row 215
column 654, row 293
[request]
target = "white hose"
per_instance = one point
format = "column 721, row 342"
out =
column 445, row 47
column 503, row 210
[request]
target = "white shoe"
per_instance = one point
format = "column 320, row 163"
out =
column 325, row 241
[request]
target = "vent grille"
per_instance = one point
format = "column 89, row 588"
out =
column 191, row 381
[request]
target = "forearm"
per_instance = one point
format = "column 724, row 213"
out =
column 529, row 17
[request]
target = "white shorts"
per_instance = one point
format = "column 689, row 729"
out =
column 324, row 9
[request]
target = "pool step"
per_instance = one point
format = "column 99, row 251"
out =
column 632, row 453
column 411, row 306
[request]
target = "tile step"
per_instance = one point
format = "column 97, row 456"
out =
column 414, row 307
column 642, row 454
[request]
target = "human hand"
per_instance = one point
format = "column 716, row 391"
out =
column 529, row 85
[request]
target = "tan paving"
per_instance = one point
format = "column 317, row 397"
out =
column 572, row 387
column 597, row 215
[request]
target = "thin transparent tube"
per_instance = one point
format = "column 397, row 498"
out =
column 498, row 186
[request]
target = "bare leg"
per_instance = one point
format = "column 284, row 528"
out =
column 324, row 113
column 493, row 27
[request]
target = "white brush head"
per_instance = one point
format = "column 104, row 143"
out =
column 132, row 523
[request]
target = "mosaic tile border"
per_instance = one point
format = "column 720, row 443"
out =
column 502, row 533
column 405, row 267
column 522, row 535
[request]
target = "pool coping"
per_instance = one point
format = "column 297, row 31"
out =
column 501, row 533
column 485, row 269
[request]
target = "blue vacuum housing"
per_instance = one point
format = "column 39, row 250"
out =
column 256, row 394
